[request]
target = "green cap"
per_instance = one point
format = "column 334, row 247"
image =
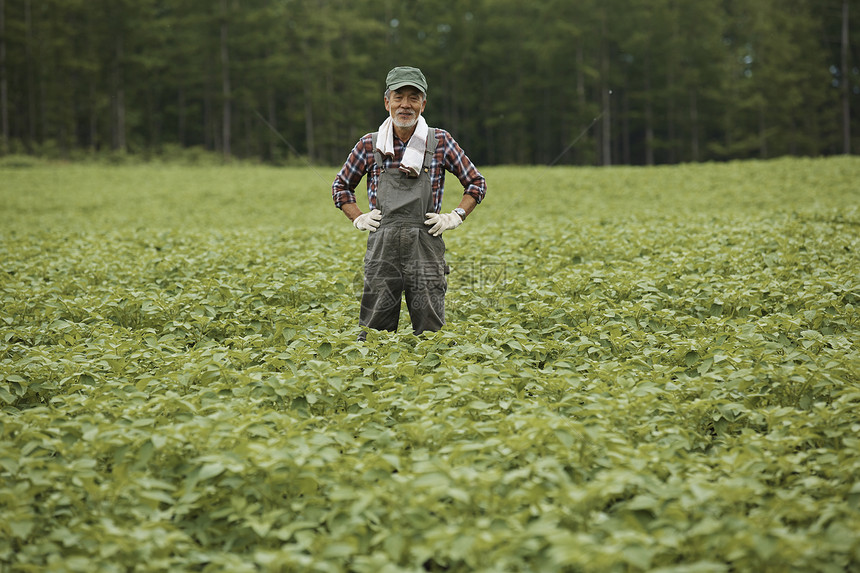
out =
column 406, row 76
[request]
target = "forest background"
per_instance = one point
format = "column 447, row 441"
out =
column 638, row 82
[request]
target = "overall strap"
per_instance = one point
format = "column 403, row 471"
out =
column 376, row 155
column 430, row 151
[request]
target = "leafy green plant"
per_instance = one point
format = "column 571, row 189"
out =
column 665, row 379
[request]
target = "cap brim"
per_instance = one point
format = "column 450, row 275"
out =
column 399, row 85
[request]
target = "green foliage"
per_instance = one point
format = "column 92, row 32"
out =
column 515, row 82
column 646, row 370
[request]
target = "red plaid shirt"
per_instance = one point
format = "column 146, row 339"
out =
column 448, row 157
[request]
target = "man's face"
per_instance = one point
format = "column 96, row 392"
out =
column 405, row 105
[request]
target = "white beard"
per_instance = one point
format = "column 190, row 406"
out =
column 406, row 124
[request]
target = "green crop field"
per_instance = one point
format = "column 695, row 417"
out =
column 644, row 369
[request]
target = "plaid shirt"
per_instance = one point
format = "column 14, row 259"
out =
column 449, row 156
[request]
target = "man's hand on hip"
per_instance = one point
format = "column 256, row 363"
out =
column 368, row 221
column 442, row 222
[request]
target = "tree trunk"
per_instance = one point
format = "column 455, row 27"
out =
column 694, row 125
column 606, row 138
column 154, row 118
column 649, row 115
column 580, row 91
column 670, row 113
column 181, row 116
column 249, row 139
column 489, row 132
column 273, row 121
column 118, row 140
column 625, row 120
column 64, row 138
column 729, row 118
column 455, row 104
column 225, row 83
column 543, row 153
column 330, row 149
column 94, row 124
column 211, row 139
column 31, row 78
column 309, row 119
column 846, row 84
column 4, row 102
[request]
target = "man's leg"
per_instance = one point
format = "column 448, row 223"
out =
column 383, row 283
column 426, row 307
column 426, row 285
column 380, row 301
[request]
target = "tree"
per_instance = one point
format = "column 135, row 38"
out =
column 845, row 84
column 4, row 100
column 225, row 79
column 690, row 81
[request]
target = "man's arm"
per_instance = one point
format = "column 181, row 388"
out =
column 459, row 164
column 351, row 210
column 468, row 203
column 474, row 188
column 350, row 175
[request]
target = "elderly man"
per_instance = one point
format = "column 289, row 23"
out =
column 405, row 163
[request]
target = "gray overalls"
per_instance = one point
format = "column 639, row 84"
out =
column 402, row 255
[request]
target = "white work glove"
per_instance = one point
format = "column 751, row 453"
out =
column 442, row 222
column 368, row 221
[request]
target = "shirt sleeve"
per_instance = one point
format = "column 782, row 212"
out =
column 459, row 164
column 355, row 167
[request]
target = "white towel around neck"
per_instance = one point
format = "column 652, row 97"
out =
column 413, row 156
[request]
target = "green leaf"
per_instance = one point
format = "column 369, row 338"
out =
column 21, row 529
column 210, row 470
column 691, row 358
column 325, row 349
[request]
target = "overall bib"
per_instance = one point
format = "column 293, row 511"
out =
column 402, row 256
